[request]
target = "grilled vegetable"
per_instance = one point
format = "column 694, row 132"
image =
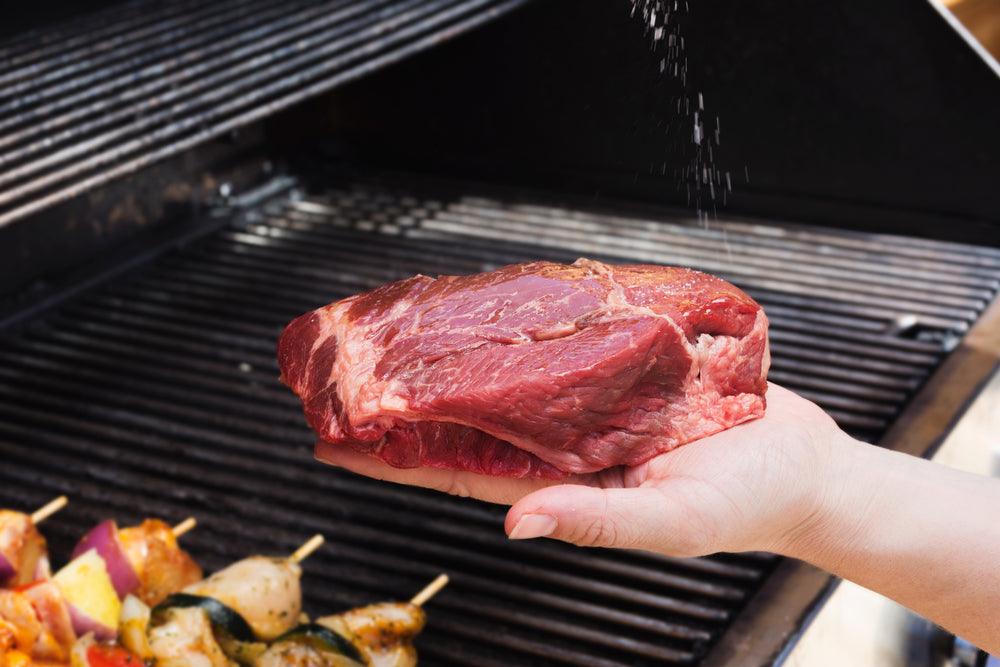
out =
column 103, row 538
column 322, row 639
column 143, row 560
column 231, row 633
column 219, row 615
column 90, row 595
column 248, row 614
column 133, row 626
column 111, row 655
column 88, row 652
column 311, row 645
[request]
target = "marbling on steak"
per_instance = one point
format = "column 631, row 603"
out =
column 536, row 369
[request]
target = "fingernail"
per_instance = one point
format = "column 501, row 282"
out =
column 321, row 453
column 533, row 525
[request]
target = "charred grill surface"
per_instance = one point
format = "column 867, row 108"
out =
column 156, row 393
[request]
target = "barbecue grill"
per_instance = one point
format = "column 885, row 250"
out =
column 180, row 180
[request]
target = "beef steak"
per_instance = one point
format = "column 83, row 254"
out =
column 537, row 369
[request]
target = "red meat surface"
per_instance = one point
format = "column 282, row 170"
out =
column 532, row 370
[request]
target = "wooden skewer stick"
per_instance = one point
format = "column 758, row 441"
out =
column 430, row 590
column 306, row 549
column 50, row 508
column 184, row 526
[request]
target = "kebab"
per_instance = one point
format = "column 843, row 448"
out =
column 108, row 564
column 227, row 617
column 23, row 551
column 382, row 632
column 34, row 623
column 143, row 560
column 32, row 612
column 254, row 608
column 41, row 619
column 246, row 614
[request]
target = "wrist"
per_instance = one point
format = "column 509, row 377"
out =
column 917, row 532
column 837, row 503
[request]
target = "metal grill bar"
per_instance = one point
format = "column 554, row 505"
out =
column 52, row 45
column 158, row 394
column 90, row 58
column 867, row 287
column 189, row 79
column 821, row 292
column 50, row 108
column 103, row 107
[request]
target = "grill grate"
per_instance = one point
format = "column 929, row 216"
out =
column 110, row 94
column 156, row 394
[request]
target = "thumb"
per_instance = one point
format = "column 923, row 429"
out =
column 639, row 518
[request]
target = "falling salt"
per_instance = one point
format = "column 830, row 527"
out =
column 700, row 178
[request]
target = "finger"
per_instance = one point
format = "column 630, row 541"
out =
column 458, row 483
column 636, row 518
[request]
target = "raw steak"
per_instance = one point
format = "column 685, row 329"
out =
column 536, row 369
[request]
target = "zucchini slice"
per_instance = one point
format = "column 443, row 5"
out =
column 222, row 616
column 324, row 639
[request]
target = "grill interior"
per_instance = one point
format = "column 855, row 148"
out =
column 154, row 393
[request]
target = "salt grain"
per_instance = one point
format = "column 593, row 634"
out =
column 700, row 176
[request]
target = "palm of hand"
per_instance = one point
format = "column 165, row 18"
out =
column 733, row 491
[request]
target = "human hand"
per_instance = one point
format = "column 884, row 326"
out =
column 791, row 483
column 748, row 488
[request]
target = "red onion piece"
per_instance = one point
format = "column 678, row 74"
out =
column 7, row 569
column 84, row 623
column 104, row 538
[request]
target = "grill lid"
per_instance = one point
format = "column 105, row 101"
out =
column 105, row 95
column 157, row 394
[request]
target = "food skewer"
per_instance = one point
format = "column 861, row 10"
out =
column 23, row 551
column 430, row 590
column 246, row 598
column 257, row 602
column 48, row 509
column 109, row 564
column 306, row 550
column 184, row 526
column 265, row 591
column 382, row 633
